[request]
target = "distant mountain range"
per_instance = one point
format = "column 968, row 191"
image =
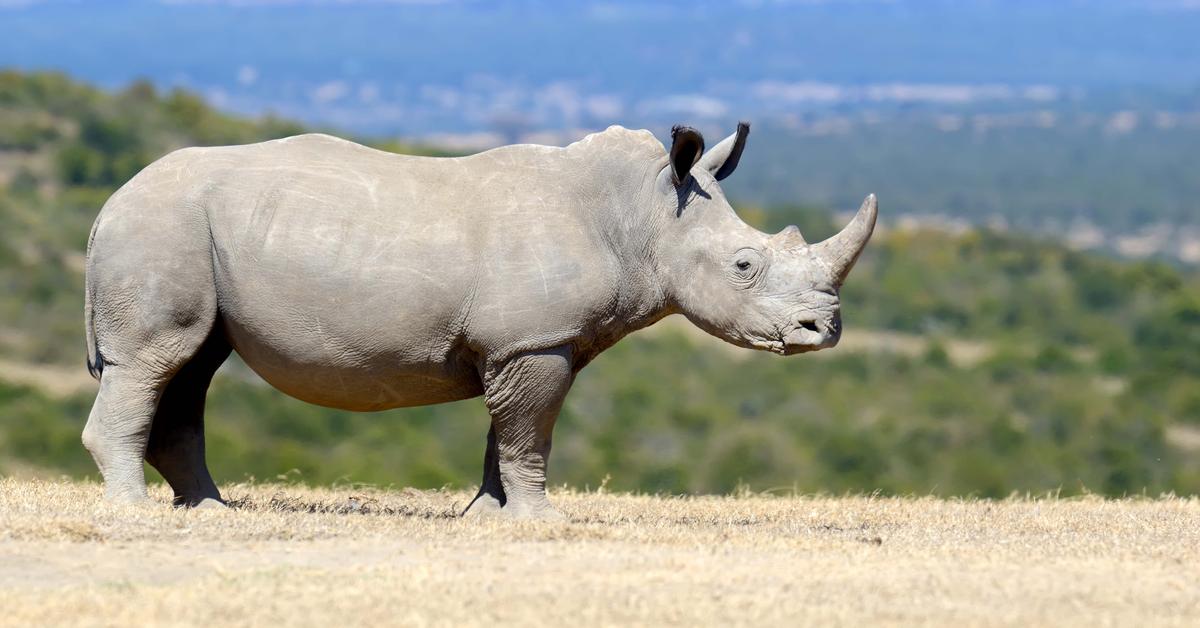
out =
column 1078, row 119
column 418, row 68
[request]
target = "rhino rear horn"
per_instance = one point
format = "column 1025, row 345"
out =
column 843, row 249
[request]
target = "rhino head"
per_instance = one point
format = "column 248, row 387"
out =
column 771, row 292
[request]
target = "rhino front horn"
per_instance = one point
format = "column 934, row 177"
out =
column 843, row 249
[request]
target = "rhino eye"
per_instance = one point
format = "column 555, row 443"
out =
column 746, row 267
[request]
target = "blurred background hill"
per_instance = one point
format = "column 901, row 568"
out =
column 1027, row 319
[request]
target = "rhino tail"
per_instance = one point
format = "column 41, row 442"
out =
column 95, row 361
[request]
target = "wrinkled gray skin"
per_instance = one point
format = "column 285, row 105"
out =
column 364, row 280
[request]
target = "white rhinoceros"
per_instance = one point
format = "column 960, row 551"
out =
column 364, row 280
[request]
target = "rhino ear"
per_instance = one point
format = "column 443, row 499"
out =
column 687, row 145
column 723, row 158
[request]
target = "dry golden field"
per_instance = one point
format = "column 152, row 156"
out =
column 289, row 555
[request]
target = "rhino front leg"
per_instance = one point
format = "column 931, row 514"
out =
column 524, row 396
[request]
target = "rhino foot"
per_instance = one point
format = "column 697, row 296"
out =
column 202, row 503
column 483, row 505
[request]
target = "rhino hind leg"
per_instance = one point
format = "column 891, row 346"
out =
column 524, row 397
column 176, row 443
column 118, row 427
column 134, row 393
column 153, row 308
column 121, row 428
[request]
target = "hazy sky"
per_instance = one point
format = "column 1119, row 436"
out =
column 462, row 66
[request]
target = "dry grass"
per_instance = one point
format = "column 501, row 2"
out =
column 293, row 555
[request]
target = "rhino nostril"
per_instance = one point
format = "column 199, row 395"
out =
column 810, row 326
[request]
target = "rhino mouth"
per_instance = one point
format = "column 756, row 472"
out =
column 809, row 335
column 802, row 336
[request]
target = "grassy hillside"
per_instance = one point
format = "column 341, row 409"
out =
column 975, row 363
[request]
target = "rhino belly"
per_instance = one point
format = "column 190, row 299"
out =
column 386, row 378
column 351, row 347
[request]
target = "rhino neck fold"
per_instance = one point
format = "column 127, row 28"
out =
column 628, row 225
